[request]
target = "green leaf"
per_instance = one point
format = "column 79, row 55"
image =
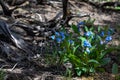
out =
column 115, row 68
column 92, row 21
column 82, row 38
column 93, row 61
column 84, row 69
column 105, row 61
column 78, row 71
column 99, row 28
column 75, row 28
column 74, row 59
column 102, row 54
column 92, row 70
column 75, row 48
column 86, row 29
column 101, row 69
column 91, row 29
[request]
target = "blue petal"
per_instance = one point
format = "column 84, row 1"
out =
column 108, row 38
column 101, row 42
column 52, row 37
column 80, row 23
column 87, row 50
column 110, row 31
column 86, row 44
column 70, row 41
column 63, row 37
column 102, row 33
column 58, row 40
column 89, row 33
column 57, row 33
column 62, row 34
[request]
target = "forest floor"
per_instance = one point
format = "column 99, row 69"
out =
column 38, row 68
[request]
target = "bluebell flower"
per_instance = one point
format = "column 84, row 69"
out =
column 101, row 42
column 80, row 24
column 86, row 44
column 102, row 33
column 88, row 50
column 70, row 41
column 57, row 33
column 58, row 40
column 62, row 34
column 110, row 31
column 52, row 37
column 108, row 38
column 89, row 33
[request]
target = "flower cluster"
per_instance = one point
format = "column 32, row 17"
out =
column 87, row 45
column 86, row 54
column 106, row 35
column 59, row 37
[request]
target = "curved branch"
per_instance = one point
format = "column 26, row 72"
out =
column 103, row 6
column 6, row 10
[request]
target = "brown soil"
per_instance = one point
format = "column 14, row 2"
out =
column 38, row 68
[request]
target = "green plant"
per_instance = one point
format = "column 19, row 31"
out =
column 2, row 74
column 117, row 77
column 115, row 69
column 84, row 47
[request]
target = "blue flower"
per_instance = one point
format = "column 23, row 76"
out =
column 58, row 40
column 87, row 50
column 101, row 42
column 59, row 36
column 102, row 33
column 110, row 31
column 62, row 34
column 89, row 33
column 70, row 41
column 80, row 24
column 86, row 44
column 108, row 38
column 52, row 37
column 57, row 33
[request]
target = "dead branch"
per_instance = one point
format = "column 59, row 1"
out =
column 6, row 10
column 102, row 6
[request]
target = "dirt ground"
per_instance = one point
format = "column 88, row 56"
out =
column 37, row 68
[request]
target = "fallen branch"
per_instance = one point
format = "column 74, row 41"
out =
column 6, row 10
column 104, row 5
column 19, row 43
